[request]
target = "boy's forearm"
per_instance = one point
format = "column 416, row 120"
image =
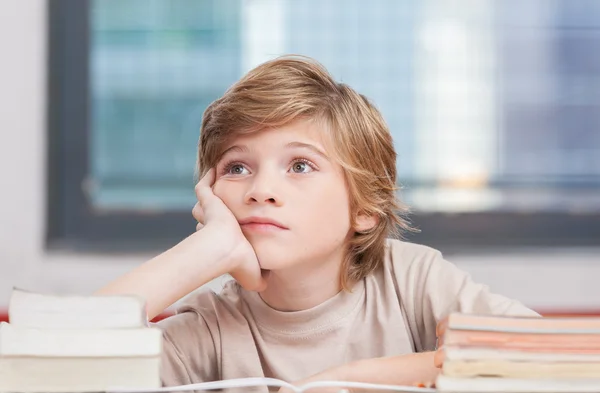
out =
column 171, row 275
column 396, row 370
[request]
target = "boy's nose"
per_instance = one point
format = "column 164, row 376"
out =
column 262, row 191
column 265, row 199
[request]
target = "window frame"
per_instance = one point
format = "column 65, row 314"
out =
column 72, row 221
column 74, row 224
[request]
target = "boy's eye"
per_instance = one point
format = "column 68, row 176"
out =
column 237, row 169
column 301, row 167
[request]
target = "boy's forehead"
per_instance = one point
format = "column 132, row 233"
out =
column 290, row 135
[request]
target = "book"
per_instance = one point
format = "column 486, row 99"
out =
column 244, row 383
column 516, row 385
column 30, row 309
column 519, row 354
column 77, row 344
column 580, row 343
column 25, row 341
column 519, row 369
column 507, row 324
column 77, row 374
column 451, row 353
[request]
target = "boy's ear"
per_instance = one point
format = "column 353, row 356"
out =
column 365, row 222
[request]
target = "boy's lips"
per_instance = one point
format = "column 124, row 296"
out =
column 261, row 223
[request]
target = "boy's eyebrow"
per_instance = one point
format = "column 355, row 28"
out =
column 244, row 149
column 310, row 147
column 238, row 148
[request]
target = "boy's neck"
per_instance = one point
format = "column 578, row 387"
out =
column 303, row 288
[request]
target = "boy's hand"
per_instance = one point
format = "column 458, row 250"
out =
column 438, row 358
column 214, row 217
column 411, row 370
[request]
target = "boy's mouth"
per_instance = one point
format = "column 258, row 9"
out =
column 261, row 223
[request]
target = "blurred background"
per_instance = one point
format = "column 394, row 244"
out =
column 494, row 107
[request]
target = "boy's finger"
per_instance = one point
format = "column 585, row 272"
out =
column 253, row 281
column 198, row 213
column 440, row 331
column 203, row 188
column 438, row 358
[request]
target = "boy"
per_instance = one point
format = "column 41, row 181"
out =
column 297, row 201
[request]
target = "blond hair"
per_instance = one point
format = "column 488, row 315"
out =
column 290, row 88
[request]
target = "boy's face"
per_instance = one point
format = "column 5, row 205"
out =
column 288, row 194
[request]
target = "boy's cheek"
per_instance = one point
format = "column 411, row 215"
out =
column 228, row 193
column 218, row 188
column 219, row 191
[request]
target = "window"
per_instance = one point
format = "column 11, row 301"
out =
column 494, row 112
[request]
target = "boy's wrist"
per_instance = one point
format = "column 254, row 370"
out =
column 201, row 254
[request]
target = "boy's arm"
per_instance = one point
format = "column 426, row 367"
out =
column 173, row 274
column 405, row 370
column 217, row 248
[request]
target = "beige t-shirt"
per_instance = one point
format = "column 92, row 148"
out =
column 393, row 311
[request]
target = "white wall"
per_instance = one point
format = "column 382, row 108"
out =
column 563, row 279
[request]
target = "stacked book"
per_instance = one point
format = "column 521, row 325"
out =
column 77, row 344
column 520, row 354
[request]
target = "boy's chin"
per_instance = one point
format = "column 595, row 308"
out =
column 269, row 254
column 267, row 264
column 272, row 260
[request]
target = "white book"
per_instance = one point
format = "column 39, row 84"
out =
column 513, row 385
column 38, row 374
column 24, row 341
column 30, row 309
column 514, row 324
column 242, row 385
column 518, row 369
column 477, row 354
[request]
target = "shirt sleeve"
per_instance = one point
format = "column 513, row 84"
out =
column 189, row 352
column 434, row 288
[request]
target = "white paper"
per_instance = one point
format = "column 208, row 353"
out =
column 253, row 382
